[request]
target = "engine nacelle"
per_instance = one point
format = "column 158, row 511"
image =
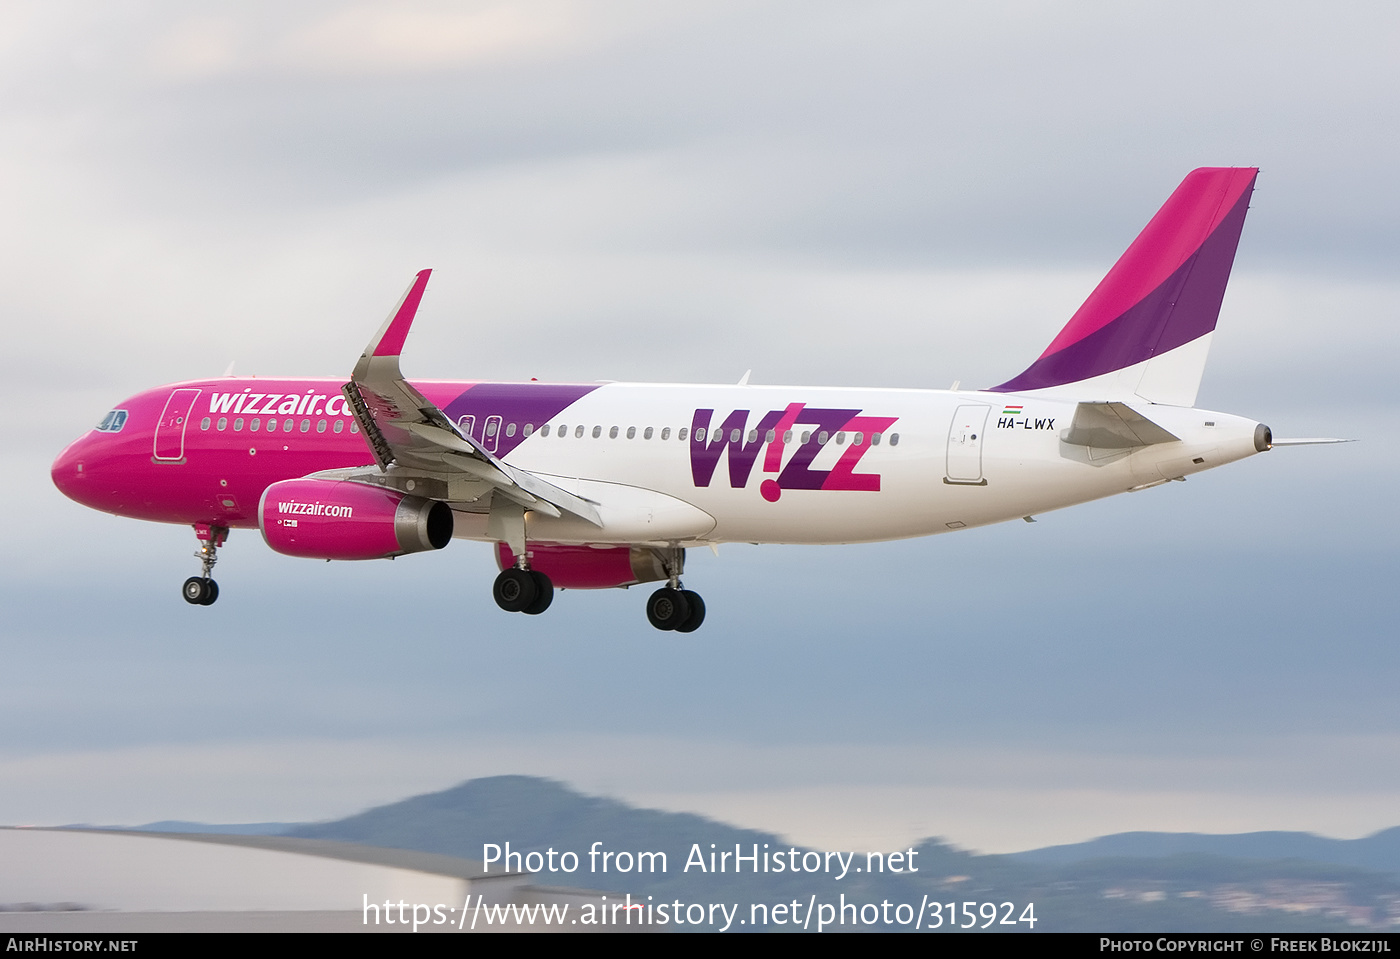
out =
column 334, row 519
column 589, row 567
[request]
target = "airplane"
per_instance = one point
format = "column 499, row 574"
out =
column 600, row 485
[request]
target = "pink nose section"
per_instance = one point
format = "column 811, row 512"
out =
column 67, row 471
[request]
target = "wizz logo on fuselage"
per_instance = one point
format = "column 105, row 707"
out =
column 773, row 432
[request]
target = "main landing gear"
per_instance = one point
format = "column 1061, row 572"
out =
column 201, row 590
column 671, row 607
column 520, row 589
column 525, row 591
column 679, row 609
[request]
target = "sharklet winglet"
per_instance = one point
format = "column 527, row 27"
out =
column 388, row 342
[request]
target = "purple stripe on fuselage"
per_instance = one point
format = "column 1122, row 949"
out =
column 1182, row 308
column 518, row 403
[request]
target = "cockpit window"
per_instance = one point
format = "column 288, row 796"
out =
column 112, row 422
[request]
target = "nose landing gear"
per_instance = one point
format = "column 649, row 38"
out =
column 201, row 590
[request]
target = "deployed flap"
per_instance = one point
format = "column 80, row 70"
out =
column 1113, row 426
column 404, row 429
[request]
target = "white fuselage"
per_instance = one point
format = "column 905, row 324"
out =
column 947, row 461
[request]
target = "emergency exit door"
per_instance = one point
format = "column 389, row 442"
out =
column 965, row 437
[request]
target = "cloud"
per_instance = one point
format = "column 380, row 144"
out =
column 895, row 195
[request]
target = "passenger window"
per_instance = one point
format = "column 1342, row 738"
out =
column 700, row 435
column 857, row 439
column 894, row 439
column 631, row 432
column 238, row 425
column 223, row 424
column 528, row 431
column 665, row 432
column 733, row 436
column 770, row 436
column 874, row 439
column 646, row 433
column 681, row 435
column 320, row 426
column 753, row 435
column 491, row 425
column 254, row 424
column 787, row 436
column 822, row 437
column 287, row 426
column 354, row 426
column 806, row 436
column 578, row 432
column 840, row 439
column 597, row 432
column 339, row 425
column 510, row 429
column 305, row 426
column 612, row 433
column 204, row 423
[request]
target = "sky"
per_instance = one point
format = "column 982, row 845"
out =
column 881, row 194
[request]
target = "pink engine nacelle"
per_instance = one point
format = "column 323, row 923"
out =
column 589, row 567
column 334, row 519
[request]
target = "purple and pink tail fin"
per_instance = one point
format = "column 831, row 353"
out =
column 1145, row 331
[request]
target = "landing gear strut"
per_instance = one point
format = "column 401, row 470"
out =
column 672, row 607
column 201, row 590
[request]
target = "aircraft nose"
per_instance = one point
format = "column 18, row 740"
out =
column 68, row 471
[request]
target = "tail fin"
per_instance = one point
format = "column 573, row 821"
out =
column 1145, row 331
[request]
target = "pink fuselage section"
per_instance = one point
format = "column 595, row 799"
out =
column 190, row 452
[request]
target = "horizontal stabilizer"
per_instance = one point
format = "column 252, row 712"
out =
column 1113, row 426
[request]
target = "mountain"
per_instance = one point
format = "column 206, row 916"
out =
column 1379, row 852
column 1134, row 882
column 528, row 812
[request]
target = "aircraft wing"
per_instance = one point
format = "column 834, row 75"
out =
column 404, row 430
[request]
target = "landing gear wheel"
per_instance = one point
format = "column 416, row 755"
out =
column 514, row 590
column 199, row 591
column 668, row 608
column 697, row 612
column 544, row 594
